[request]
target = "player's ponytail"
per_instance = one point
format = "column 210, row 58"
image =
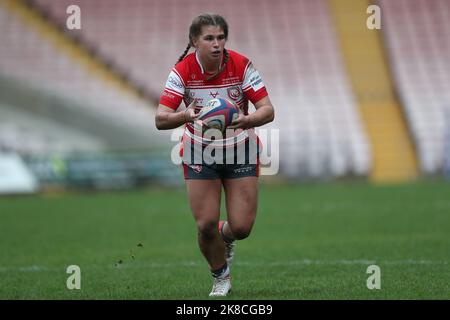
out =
column 184, row 53
column 226, row 56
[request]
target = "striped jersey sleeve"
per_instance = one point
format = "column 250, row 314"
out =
column 173, row 91
column 253, row 85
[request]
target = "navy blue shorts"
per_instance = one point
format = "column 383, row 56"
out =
column 241, row 162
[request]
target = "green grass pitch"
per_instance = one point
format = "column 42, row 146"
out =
column 309, row 242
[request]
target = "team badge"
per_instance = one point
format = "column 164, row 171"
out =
column 234, row 93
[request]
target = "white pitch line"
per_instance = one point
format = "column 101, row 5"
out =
column 156, row 265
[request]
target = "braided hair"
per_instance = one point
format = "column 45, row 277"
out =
column 195, row 30
column 184, row 53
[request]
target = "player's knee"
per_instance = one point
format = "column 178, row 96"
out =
column 241, row 232
column 207, row 229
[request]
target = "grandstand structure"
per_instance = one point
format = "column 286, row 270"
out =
column 51, row 78
column 417, row 37
column 108, row 75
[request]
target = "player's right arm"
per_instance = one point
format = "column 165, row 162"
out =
column 167, row 118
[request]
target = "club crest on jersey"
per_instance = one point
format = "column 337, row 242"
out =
column 234, row 93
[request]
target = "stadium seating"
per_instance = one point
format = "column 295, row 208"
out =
column 31, row 59
column 417, row 36
column 32, row 135
column 296, row 53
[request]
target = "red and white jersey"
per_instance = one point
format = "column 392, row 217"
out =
column 239, row 82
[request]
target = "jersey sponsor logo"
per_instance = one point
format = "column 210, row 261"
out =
column 244, row 169
column 199, row 101
column 253, row 79
column 234, row 93
column 174, row 81
column 214, row 95
column 256, row 82
column 250, row 70
column 168, row 95
column 196, row 167
column 195, row 83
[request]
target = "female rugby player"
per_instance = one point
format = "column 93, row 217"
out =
column 215, row 72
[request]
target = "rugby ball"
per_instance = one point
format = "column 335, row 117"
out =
column 218, row 114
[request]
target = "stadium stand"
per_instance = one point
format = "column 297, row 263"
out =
column 393, row 156
column 27, row 133
column 31, row 57
column 321, row 134
column 417, row 36
column 321, row 131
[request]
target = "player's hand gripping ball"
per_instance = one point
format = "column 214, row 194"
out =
column 218, row 114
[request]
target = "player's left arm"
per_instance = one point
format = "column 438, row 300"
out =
column 264, row 114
